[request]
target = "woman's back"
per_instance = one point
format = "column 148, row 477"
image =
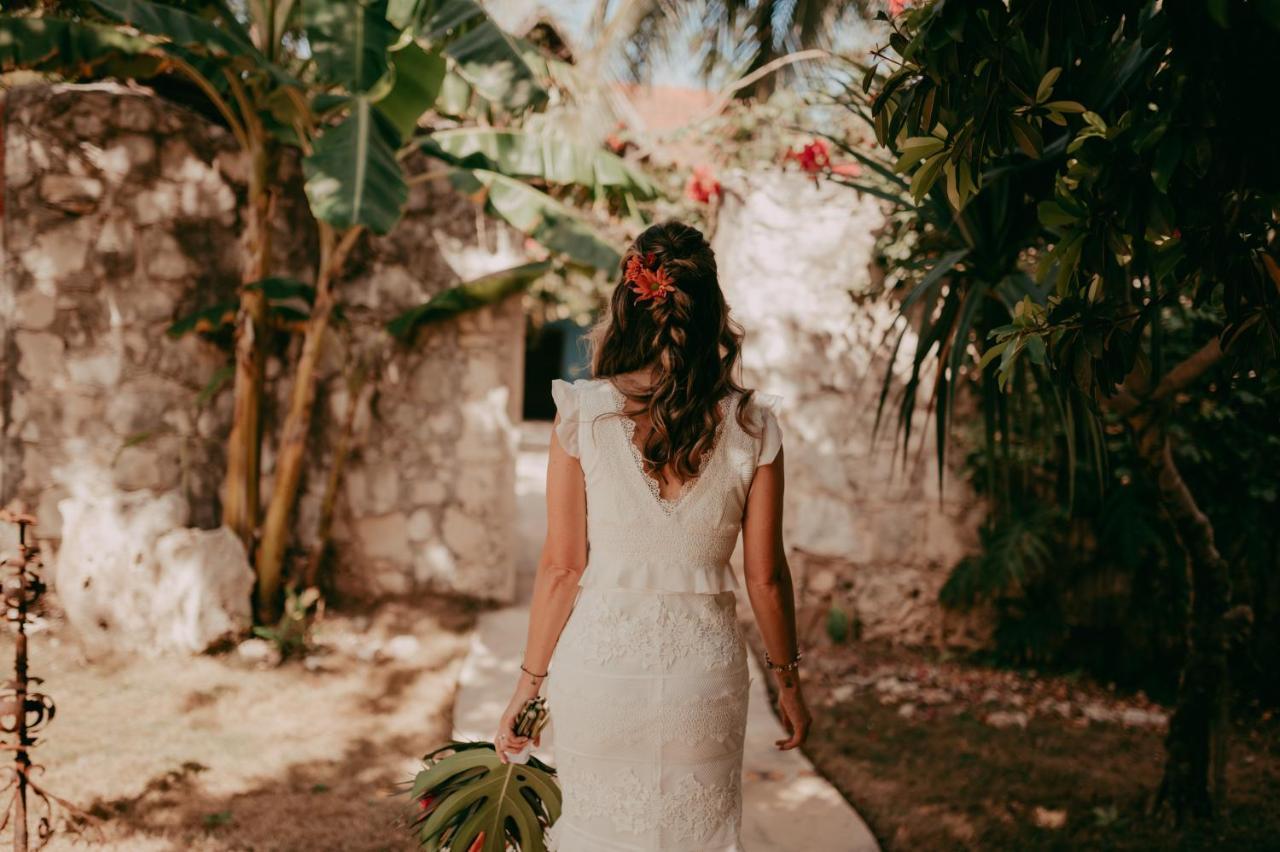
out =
column 637, row 538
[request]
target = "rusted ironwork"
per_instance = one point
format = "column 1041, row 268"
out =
column 24, row 710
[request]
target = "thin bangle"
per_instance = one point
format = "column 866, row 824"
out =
column 532, row 674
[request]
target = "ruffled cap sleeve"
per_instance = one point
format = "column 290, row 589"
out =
column 569, row 408
column 771, row 434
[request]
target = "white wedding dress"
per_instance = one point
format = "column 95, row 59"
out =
column 648, row 684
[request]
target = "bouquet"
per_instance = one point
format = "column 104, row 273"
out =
column 469, row 801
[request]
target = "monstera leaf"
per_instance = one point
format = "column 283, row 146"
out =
column 472, row 802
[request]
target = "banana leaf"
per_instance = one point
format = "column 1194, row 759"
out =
column 545, row 155
column 192, row 32
column 76, row 49
column 480, row 51
column 353, row 177
column 537, row 215
column 288, row 301
column 467, row 796
column 467, row 296
column 349, row 41
column 419, row 75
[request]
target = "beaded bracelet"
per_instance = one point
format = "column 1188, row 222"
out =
column 787, row 667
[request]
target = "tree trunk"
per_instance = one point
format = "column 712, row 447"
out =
column 329, row 502
column 297, row 425
column 1194, row 781
column 244, row 444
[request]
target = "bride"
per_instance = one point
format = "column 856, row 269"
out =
column 656, row 465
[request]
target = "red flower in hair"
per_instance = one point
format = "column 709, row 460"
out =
column 648, row 280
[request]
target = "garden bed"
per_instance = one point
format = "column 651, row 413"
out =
column 220, row 752
column 949, row 755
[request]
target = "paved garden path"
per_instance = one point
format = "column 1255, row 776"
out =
column 786, row 804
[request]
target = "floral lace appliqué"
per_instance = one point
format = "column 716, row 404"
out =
column 693, row 810
column 599, row 719
column 660, row 634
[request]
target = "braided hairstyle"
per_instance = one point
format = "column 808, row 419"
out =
column 688, row 340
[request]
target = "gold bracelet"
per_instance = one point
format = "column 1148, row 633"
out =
column 788, row 667
column 532, row 674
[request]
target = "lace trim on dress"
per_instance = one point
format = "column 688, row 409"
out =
column 667, row 504
column 659, row 634
column 692, row 811
column 719, row 717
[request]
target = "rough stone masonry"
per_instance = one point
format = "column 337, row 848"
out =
column 122, row 213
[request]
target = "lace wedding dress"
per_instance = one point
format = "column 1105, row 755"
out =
column 648, row 684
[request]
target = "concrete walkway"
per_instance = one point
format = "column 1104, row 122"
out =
column 786, row 805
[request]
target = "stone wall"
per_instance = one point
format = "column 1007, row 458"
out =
column 866, row 532
column 122, row 214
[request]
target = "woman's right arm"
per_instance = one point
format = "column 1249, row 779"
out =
column 769, row 588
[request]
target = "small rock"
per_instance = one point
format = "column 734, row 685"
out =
column 1007, row 719
column 260, row 652
column 134, row 113
column 823, row 582
column 36, row 310
column 1047, row 818
column 73, row 194
column 1099, row 713
column 402, row 647
column 843, row 692
column 1134, row 717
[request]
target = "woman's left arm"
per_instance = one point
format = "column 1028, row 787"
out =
column 555, row 587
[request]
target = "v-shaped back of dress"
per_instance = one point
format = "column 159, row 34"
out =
column 636, row 538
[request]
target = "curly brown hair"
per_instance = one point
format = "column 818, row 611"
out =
column 687, row 339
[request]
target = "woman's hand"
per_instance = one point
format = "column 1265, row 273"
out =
column 794, row 714
column 505, row 740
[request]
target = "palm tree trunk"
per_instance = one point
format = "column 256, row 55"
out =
column 244, row 444
column 297, row 426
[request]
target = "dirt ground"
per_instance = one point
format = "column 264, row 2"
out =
column 217, row 753
column 941, row 755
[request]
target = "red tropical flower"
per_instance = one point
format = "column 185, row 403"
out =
column 896, row 7
column 812, row 158
column 477, row 844
column 702, row 185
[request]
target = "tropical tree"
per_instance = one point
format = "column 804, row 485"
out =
column 345, row 85
column 750, row 38
column 1112, row 148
